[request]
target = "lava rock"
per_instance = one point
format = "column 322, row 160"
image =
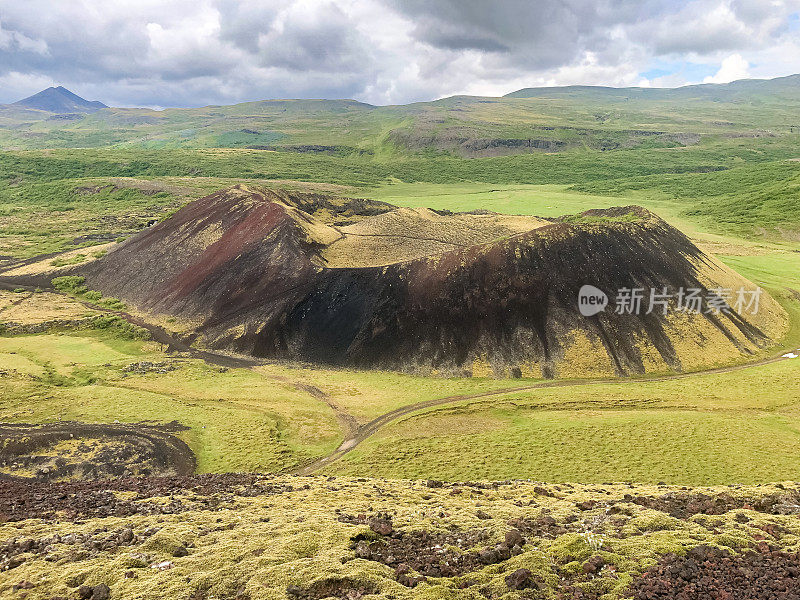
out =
column 101, row 592
column 85, row 592
column 381, row 526
column 708, row 572
column 519, row 579
column 514, row 538
column 594, row 564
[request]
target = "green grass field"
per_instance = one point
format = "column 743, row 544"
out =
column 701, row 430
column 56, row 200
column 239, row 420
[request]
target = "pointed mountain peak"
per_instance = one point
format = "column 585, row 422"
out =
column 60, row 100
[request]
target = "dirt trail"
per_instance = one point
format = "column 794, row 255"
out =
column 348, row 422
column 155, row 447
column 354, row 433
column 369, row 429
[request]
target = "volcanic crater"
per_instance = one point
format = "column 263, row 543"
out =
column 360, row 283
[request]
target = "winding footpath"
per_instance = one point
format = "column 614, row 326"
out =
column 369, row 429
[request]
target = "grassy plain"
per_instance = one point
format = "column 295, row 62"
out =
column 706, row 429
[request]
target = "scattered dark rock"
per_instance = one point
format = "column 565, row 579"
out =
column 381, row 526
column 544, row 526
column 404, row 577
column 144, row 367
column 21, row 499
column 431, row 555
column 22, row 585
column 345, row 588
column 685, row 504
column 13, row 551
column 101, row 592
column 85, row 592
column 708, row 572
column 514, row 538
column 542, row 491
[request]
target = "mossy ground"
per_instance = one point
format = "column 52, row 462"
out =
column 256, row 547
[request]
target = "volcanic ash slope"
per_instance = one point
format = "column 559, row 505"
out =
column 359, row 283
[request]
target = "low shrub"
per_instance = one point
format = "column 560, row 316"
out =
column 120, row 327
column 70, row 284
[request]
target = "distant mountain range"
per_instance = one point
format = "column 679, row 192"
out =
column 59, row 100
column 705, row 91
column 532, row 120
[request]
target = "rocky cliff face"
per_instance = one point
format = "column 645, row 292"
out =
column 490, row 295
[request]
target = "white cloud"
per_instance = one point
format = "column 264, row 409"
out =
column 732, row 68
column 195, row 52
column 26, row 84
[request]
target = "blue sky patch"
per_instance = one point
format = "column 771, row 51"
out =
column 692, row 72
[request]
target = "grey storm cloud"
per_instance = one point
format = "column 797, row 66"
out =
column 193, row 52
column 325, row 40
column 544, row 34
column 707, row 27
column 294, row 37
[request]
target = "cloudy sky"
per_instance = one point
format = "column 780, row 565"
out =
column 164, row 53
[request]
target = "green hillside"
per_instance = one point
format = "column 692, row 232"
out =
column 530, row 120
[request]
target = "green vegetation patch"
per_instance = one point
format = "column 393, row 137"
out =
column 238, row 419
column 74, row 285
column 747, row 199
column 247, row 137
column 676, row 446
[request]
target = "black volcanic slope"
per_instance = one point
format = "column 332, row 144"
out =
column 60, row 100
column 254, row 271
